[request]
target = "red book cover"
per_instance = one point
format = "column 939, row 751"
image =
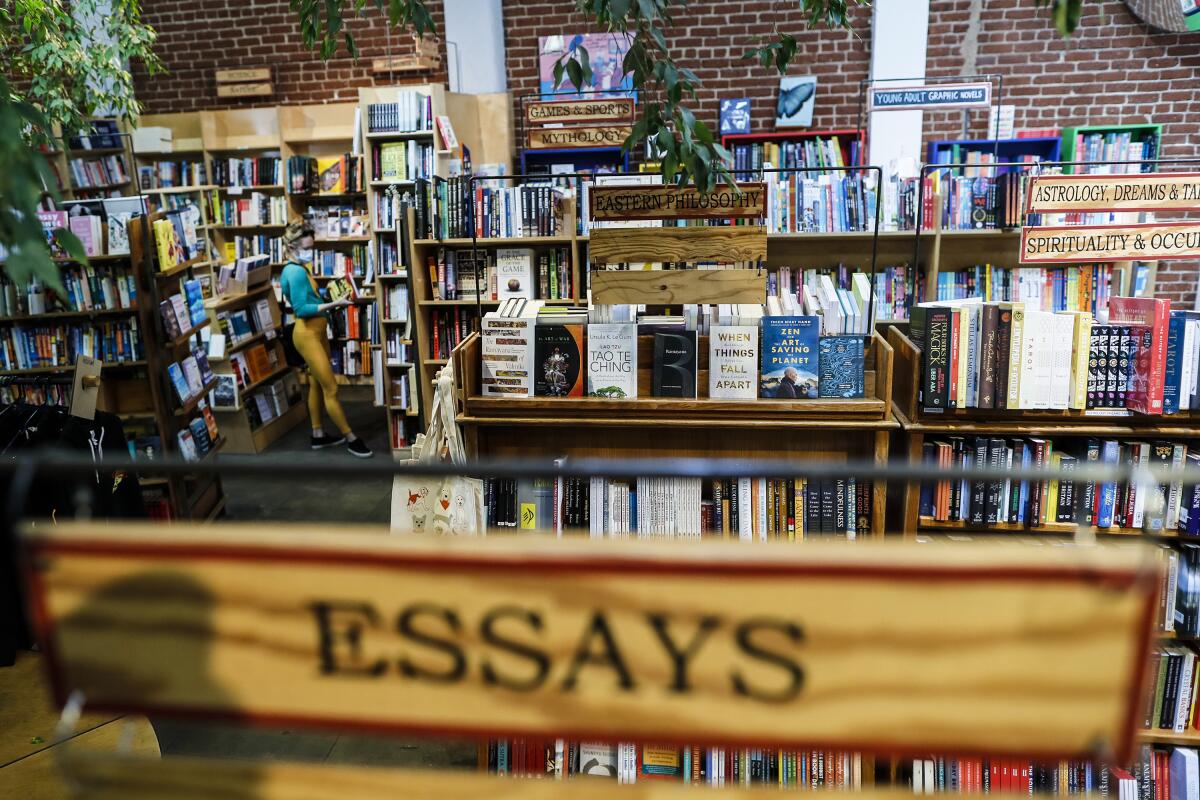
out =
column 927, row 202
column 955, row 322
column 1023, row 787
column 1150, row 363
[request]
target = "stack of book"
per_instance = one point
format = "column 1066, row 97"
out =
column 411, row 111
column 842, row 300
column 331, row 175
column 398, row 162
column 1006, row 356
column 630, row 763
column 37, row 346
column 247, row 172
column 811, row 202
column 99, row 173
column 751, row 157
column 172, row 174
column 1165, row 507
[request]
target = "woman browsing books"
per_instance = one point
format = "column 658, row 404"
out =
column 310, row 335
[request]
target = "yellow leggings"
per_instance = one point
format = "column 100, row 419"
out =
column 312, row 343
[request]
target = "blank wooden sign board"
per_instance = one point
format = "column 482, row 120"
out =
column 886, row 648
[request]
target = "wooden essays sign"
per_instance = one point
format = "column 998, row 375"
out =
column 1163, row 191
column 746, row 201
column 877, row 647
column 1151, row 241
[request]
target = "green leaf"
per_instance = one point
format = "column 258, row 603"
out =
column 575, row 73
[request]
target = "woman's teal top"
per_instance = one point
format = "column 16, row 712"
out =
column 299, row 291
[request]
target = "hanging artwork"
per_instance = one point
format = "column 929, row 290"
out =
column 606, row 53
column 797, row 98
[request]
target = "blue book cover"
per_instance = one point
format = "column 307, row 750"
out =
column 790, row 357
column 1110, row 453
column 195, row 301
column 735, row 116
column 1174, row 368
column 841, row 362
column 1189, row 512
column 1023, row 502
column 179, row 382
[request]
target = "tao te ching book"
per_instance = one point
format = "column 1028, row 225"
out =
column 612, row 360
column 733, row 362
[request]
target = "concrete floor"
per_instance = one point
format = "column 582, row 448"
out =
column 323, row 499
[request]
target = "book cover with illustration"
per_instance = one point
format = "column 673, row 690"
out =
column 612, row 360
column 790, row 358
column 557, row 358
column 331, row 175
column 841, row 366
column 514, row 273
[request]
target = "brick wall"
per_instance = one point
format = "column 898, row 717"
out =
column 710, row 37
column 197, row 37
column 1113, row 71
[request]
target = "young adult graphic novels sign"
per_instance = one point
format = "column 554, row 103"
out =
column 949, row 95
column 881, row 648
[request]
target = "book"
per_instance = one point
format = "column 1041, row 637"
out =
column 558, row 360
column 514, row 273
column 187, row 445
column 1149, row 368
column 170, row 322
column 179, row 381
column 733, row 361
column 841, row 363
column 790, row 357
column 612, row 360
column 675, row 364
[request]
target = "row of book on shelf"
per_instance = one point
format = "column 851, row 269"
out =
column 256, row 209
column 102, row 226
column 183, row 311
column 242, row 324
column 501, row 273
column 198, row 438
column 24, row 347
column 534, row 350
column 337, row 221
column 1086, row 287
column 443, row 209
column 717, row 766
column 332, row 175
column 172, row 174
column 1152, row 776
column 1155, row 508
column 1139, row 357
column 177, row 238
column 746, row 509
column 191, row 377
column 411, row 111
column 90, row 288
column 819, row 152
column 98, row 173
column 247, row 172
column 402, row 161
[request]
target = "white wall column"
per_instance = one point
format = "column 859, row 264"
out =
column 899, row 38
column 475, row 41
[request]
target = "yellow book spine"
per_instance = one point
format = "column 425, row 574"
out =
column 1080, row 356
column 964, row 337
column 1050, row 511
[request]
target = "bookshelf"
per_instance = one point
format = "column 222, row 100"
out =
column 1075, row 141
column 245, row 133
column 749, row 149
column 463, row 312
column 339, row 216
column 269, row 401
column 918, row 426
column 959, row 151
column 405, row 377
column 192, row 497
column 105, row 154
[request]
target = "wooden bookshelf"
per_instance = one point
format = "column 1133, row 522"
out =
column 403, row 424
column 917, row 424
column 237, row 425
column 192, row 497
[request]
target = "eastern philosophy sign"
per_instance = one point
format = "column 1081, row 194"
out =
column 747, row 200
column 949, row 95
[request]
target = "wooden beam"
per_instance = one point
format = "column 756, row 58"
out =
column 724, row 244
column 1018, row 652
column 671, row 287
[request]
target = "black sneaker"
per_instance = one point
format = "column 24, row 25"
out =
column 321, row 442
column 359, row 448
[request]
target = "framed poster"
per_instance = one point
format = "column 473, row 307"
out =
column 797, row 98
column 606, row 52
column 735, row 115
